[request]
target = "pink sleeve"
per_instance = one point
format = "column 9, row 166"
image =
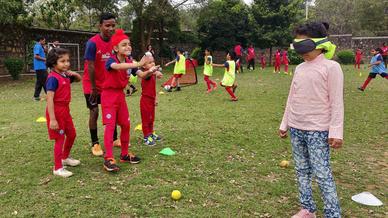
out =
column 284, row 125
column 336, row 100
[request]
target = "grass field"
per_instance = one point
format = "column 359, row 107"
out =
column 226, row 163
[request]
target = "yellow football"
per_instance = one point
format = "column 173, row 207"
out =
column 176, row 195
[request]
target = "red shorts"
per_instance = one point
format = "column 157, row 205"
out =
column 64, row 119
column 178, row 75
column 114, row 107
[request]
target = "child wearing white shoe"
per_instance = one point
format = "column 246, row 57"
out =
column 59, row 121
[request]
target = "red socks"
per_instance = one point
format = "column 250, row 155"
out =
column 230, row 91
column 366, row 83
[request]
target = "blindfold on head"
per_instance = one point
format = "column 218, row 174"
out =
column 303, row 46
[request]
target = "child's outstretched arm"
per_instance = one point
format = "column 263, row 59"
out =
column 335, row 86
column 171, row 62
column 147, row 73
column 218, row 65
column 126, row 66
column 50, row 108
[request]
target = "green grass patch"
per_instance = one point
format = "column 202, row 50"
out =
column 227, row 155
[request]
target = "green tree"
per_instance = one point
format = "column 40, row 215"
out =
column 13, row 12
column 57, row 14
column 223, row 23
column 274, row 21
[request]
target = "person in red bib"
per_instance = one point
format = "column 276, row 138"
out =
column 358, row 58
column 114, row 106
column 285, row 60
column 251, row 58
column 277, row 61
column 98, row 51
column 59, row 122
column 262, row 60
column 384, row 49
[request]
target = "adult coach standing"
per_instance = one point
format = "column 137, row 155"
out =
column 98, row 51
column 39, row 67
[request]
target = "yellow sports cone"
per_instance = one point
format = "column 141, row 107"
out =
column 139, row 127
column 360, row 74
column 41, row 120
column 161, row 92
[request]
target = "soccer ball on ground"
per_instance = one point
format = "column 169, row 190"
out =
column 167, row 88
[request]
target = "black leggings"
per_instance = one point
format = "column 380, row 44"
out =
column 41, row 77
column 251, row 63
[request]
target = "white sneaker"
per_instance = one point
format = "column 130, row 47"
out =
column 62, row 172
column 70, row 162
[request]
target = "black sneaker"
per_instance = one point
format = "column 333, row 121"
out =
column 133, row 91
column 360, row 88
column 178, row 88
column 128, row 93
column 130, row 158
column 110, row 165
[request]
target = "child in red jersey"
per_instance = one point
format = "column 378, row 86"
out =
column 59, row 122
column 277, row 61
column 285, row 60
column 114, row 106
column 358, row 58
column 148, row 100
column 262, row 60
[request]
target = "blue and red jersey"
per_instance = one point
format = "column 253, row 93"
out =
column 61, row 85
column 116, row 79
column 99, row 51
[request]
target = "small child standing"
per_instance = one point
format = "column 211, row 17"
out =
column 378, row 67
column 262, row 60
column 357, row 59
column 277, row 61
column 285, row 60
column 229, row 80
column 114, row 106
column 315, row 115
column 149, row 73
column 59, row 121
column 179, row 69
column 208, row 71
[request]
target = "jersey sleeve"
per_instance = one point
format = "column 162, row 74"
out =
column 177, row 58
column 90, row 51
column 51, row 84
column 209, row 59
column 380, row 58
column 109, row 63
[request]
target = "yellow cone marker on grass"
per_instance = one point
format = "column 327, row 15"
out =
column 41, row 120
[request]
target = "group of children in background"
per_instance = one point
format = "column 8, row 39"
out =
column 315, row 124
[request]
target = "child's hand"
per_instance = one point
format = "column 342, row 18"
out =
column 54, row 125
column 335, row 143
column 158, row 74
column 282, row 134
column 166, row 64
column 156, row 103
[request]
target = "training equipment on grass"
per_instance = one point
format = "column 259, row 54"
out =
column 188, row 79
column 167, row 151
column 41, row 120
column 284, row 163
column 367, row 198
column 176, row 195
column 161, row 93
column 139, row 127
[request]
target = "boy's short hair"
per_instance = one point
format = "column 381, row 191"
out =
column 106, row 16
column 313, row 29
column 39, row 37
column 54, row 55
